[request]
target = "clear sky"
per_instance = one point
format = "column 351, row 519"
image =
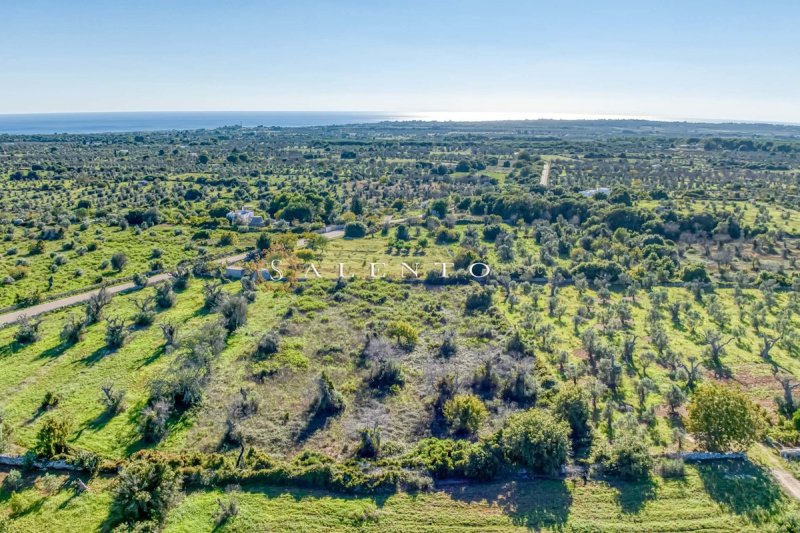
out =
column 712, row 59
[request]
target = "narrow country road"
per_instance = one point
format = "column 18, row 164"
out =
column 52, row 305
column 545, row 180
column 13, row 316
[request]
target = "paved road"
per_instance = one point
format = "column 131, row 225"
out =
column 53, row 305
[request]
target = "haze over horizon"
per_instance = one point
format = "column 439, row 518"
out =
column 683, row 61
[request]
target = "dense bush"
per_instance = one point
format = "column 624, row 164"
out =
column 52, row 437
column 72, row 332
column 387, row 375
column 329, row 400
column 165, row 297
column 465, row 413
column 116, row 333
column 268, row 344
column 355, row 230
column 479, row 299
column 145, row 490
column 571, row 405
column 628, row 456
column 722, row 419
column 27, row 330
column 536, row 440
column 233, row 309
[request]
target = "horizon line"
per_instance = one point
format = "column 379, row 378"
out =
column 436, row 116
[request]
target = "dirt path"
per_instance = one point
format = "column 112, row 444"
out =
column 787, row 481
column 545, row 180
column 53, row 305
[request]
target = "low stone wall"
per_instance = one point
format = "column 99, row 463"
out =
column 693, row 457
column 19, row 460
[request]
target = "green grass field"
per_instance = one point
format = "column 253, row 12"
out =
column 723, row 498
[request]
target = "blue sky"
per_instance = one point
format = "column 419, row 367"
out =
column 678, row 59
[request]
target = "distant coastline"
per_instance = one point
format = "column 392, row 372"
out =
column 143, row 121
column 111, row 122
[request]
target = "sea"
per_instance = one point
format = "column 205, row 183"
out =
column 53, row 123
column 50, row 123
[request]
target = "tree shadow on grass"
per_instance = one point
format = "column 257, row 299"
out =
column 100, row 421
column 315, row 422
column 633, row 495
column 33, row 507
column 153, row 357
column 742, row 488
column 540, row 504
column 54, row 352
column 10, row 349
column 96, row 356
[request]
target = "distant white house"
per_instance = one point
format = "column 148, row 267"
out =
column 591, row 192
column 245, row 217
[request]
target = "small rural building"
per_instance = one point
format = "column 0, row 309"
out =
column 591, row 192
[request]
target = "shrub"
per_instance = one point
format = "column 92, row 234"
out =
column 233, row 309
column 447, row 458
column 180, row 278
column 442, row 458
column 6, row 430
column 521, row 387
column 696, row 272
column 267, row 345
column 388, row 374
column 153, row 420
column 485, row 380
column 369, row 442
column 144, row 318
column 228, row 239
column 570, row 404
column 212, row 295
column 722, row 419
column 95, row 305
column 13, row 480
column 671, row 468
column 227, row 510
column 479, row 299
column 146, row 489
column 449, row 346
column 72, row 332
column 483, row 460
column 329, row 401
column 264, row 241
column 118, row 261
column 112, row 398
column 115, row 333
column 628, row 457
column 355, row 230
column 165, row 297
column 50, row 401
column 465, row 413
column 140, row 280
column 87, row 461
column 405, row 334
column 447, row 236
column 536, row 440
column 27, row 330
column 50, row 483
column 52, row 437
